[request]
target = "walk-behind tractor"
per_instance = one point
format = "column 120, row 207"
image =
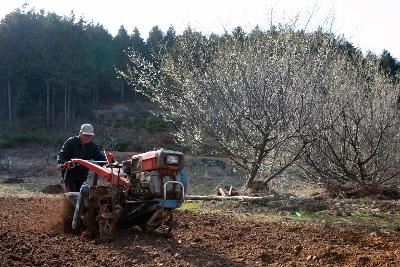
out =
column 143, row 190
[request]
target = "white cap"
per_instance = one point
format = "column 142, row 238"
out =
column 87, row 129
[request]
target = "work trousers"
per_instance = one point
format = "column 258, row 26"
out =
column 73, row 184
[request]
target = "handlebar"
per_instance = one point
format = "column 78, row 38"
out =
column 70, row 164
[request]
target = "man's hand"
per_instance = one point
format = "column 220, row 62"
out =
column 60, row 167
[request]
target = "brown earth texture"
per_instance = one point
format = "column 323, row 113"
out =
column 31, row 235
column 296, row 228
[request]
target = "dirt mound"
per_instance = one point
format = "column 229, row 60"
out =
column 31, row 234
column 53, row 189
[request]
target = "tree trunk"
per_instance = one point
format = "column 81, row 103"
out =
column 2, row 100
column 69, row 105
column 53, row 107
column 9, row 104
column 3, row 107
column 65, row 108
column 134, row 96
column 47, row 104
column 237, row 198
column 94, row 97
column 250, row 178
column 73, row 108
column 122, row 90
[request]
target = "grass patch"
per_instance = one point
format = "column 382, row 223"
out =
column 198, row 207
column 195, row 207
column 9, row 190
column 201, row 189
column 150, row 122
column 369, row 221
column 156, row 124
column 373, row 220
column 364, row 221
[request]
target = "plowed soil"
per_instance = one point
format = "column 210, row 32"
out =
column 31, row 235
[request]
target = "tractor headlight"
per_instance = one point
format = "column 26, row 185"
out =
column 172, row 160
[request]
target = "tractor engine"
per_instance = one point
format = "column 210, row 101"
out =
column 155, row 174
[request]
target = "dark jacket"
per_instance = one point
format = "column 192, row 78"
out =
column 73, row 149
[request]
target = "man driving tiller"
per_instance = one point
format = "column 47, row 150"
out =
column 82, row 147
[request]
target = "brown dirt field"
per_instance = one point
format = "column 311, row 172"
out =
column 31, row 235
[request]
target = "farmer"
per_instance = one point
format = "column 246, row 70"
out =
column 80, row 147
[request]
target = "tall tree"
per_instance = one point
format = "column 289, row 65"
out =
column 169, row 38
column 155, row 43
column 137, row 42
column 122, row 42
column 239, row 33
column 357, row 151
column 100, row 59
column 19, row 60
column 389, row 64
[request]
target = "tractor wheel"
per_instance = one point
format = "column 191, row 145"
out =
column 91, row 230
column 142, row 221
column 67, row 216
column 143, row 226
